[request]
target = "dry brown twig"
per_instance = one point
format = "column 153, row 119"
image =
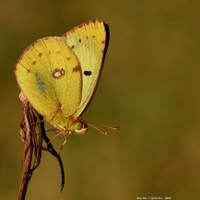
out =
column 33, row 134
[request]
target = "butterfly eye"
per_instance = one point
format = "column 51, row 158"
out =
column 80, row 128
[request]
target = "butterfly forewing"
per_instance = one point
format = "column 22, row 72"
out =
column 89, row 42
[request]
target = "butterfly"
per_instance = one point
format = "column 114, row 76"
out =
column 59, row 75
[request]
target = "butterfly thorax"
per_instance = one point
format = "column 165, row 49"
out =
column 69, row 124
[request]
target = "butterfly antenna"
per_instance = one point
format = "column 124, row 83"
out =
column 92, row 124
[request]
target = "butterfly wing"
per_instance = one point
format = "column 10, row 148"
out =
column 89, row 41
column 49, row 74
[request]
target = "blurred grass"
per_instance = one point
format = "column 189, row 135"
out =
column 149, row 87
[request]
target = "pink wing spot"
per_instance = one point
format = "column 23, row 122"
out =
column 57, row 73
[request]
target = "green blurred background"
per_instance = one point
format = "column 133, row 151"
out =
column 150, row 87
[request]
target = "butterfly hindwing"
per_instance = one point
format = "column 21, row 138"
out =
column 49, row 74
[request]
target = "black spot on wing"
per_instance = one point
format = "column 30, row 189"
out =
column 87, row 73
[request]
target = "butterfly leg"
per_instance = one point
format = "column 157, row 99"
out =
column 65, row 134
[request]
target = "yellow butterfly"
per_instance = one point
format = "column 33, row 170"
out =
column 59, row 75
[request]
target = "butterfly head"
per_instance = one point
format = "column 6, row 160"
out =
column 80, row 127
